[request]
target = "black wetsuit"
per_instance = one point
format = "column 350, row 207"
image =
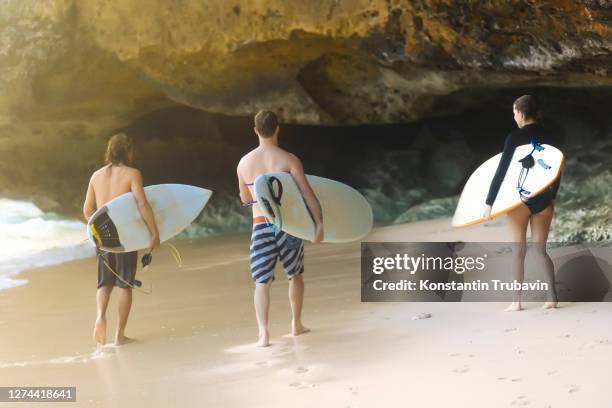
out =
column 516, row 138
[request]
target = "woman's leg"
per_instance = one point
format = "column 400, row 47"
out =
column 540, row 226
column 518, row 219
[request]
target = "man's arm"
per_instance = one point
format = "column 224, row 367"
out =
column 145, row 209
column 245, row 193
column 297, row 172
column 89, row 207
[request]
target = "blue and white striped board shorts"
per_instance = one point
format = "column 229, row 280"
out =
column 269, row 243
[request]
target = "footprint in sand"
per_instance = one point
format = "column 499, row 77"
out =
column 247, row 348
column 520, row 401
column 287, row 350
column 301, row 385
column 301, row 370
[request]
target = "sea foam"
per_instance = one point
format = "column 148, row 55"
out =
column 30, row 238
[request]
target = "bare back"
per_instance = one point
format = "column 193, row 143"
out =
column 111, row 181
column 263, row 159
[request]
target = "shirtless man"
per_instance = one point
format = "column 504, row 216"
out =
column 267, row 242
column 112, row 180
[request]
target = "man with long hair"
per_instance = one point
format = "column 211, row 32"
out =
column 117, row 177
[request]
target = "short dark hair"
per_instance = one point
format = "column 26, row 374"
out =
column 528, row 106
column 118, row 150
column 266, row 123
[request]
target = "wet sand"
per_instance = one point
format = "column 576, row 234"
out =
column 195, row 336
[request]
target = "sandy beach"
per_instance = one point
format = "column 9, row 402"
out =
column 195, row 336
column 125, row 124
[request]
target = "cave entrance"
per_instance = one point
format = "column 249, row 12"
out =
column 395, row 165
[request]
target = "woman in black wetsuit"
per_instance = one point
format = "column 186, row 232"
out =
column 537, row 211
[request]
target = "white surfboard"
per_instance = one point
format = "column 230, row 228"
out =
column 347, row 216
column 547, row 169
column 119, row 227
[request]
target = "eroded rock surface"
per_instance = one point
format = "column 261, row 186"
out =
column 351, row 61
column 74, row 71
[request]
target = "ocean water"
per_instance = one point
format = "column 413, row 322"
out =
column 30, row 238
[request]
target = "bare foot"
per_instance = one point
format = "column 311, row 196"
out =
column 264, row 339
column 99, row 332
column 514, row 307
column 122, row 341
column 298, row 328
column 549, row 305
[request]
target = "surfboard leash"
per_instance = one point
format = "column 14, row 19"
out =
column 527, row 163
column 146, row 292
column 173, row 251
column 175, row 254
column 275, row 198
